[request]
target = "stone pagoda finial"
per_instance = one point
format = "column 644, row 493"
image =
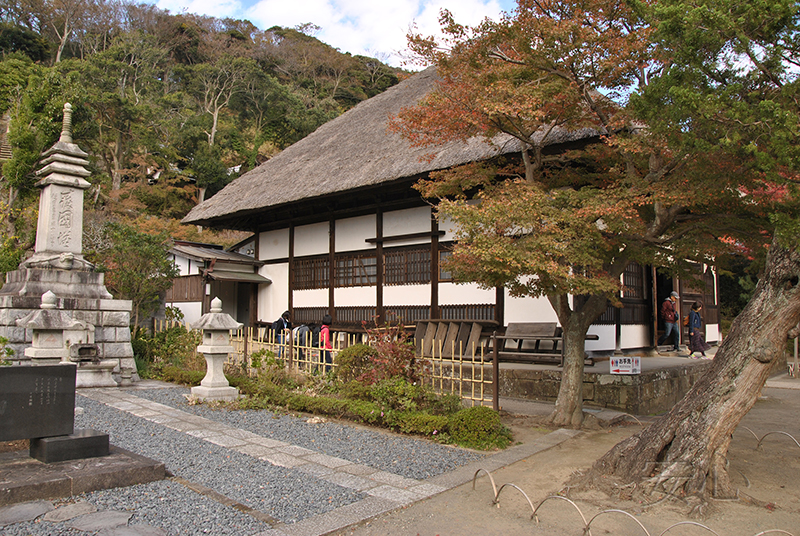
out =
column 59, row 231
column 66, row 128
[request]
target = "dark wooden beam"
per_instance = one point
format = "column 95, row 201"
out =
column 398, row 238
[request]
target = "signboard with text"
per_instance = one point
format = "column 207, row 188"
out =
column 626, row 365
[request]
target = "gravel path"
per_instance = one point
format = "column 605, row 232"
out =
column 323, row 476
column 285, row 494
column 408, row 457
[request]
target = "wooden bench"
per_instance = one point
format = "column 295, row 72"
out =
column 534, row 342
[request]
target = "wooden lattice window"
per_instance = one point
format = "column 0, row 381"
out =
column 444, row 274
column 633, row 281
column 356, row 270
column 311, row 273
column 407, row 266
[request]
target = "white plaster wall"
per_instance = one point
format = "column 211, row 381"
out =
column 352, row 233
column 528, row 310
column 637, row 336
column 182, row 263
column 317, row 297
column 192, row 311
column 454, row 294
column 407, row 295
column 355, row 297
column 448, row 226
column 311, row 239
column 607, row 341
column 411, row 220
column 273, row 245
column 273, row 299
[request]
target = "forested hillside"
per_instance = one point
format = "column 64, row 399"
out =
column 170, row 107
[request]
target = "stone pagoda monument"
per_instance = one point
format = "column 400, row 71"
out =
column 58, row 266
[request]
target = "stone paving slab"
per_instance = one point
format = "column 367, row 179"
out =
column 65, row 513
column 105, row 519
column 27, row 511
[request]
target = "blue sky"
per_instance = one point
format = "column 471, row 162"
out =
column 370, row 27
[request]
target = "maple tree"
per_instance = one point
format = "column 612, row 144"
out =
column 577, row 209
column 679, row 165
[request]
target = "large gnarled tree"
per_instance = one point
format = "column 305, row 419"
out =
column 734, row 83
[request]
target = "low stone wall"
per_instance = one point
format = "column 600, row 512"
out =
column 649, row 393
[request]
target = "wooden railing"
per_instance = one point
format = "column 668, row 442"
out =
column 460, row 371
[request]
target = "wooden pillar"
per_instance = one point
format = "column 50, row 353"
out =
column 379, row 267
column 254, row 298
column 434, row 266
column 655, row 304
column 290, row 300
column 332, row 260
column 500, row 305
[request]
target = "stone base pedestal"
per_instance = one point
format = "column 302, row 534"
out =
column 83, row 295
column 210, row 394
column 96, row 374
column 81, row 444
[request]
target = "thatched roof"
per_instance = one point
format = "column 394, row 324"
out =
column 353, row 151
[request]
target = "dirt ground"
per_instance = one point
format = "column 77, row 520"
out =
column 770, row 474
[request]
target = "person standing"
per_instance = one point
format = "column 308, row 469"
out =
column 669, row 314
column 325, row 342
column 697, row 342
column 283, row 331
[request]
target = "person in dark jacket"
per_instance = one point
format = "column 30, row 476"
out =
column 283, row 331
column 696, row 341
column 669, row 314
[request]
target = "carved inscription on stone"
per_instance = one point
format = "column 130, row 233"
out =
column 64, row 219
column 36, row 401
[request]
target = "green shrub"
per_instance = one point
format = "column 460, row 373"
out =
column 173, row 374
column 175, row 346
column 354, row 390
column 478, row 427
column 353, row 361
column 414, row 422
column 365, row 411
column 400, row 395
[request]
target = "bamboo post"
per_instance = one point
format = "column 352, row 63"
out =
column 495, row 373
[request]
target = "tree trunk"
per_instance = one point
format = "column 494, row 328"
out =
column 568, row 410
column 685, row 451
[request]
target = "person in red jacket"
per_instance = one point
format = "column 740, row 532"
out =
column 669, row 314
column 325, row 342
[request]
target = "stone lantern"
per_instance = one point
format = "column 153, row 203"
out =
column 215, row 347
column 53, row 332
column 59, row 338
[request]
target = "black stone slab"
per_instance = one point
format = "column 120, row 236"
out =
column 86, row 443
column 37, row 401
column 25, row 479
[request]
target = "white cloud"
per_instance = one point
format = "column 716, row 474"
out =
column 357, row 26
